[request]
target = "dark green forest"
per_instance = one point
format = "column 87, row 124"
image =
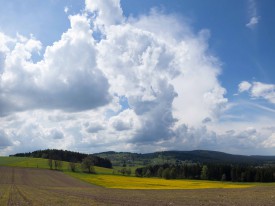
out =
column 65, row 155
column 217, row 172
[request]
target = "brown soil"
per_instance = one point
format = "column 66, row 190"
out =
column 24, row 186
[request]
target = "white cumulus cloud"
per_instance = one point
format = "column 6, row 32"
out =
column 67, row 77
column 259, row 90
column 106, row 12
column 244, row 86
column 72, row 98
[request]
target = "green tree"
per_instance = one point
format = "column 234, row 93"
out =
column 173, row 173
column 58, row 165
column 166, row 173
column 88, row 164
column 72, row 166
column 50, row 163
column 204, row 172
column 159, row 173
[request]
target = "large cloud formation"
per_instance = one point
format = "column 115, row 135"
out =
column 111, row 82
column 66, row 78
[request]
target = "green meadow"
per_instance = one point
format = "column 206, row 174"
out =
column 27, row 162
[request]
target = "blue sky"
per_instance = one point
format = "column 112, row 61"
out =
column 137, row 76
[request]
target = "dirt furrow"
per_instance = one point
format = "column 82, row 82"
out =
column 5, row 189
column 17, row 198
column 11, row 198
column 25, row 199
column 12, row 176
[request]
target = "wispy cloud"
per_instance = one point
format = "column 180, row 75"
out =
column 263, row 107
column 254, row 18
column 253, row 22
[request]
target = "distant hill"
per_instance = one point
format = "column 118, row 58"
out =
column 201, row 156
column 65, row 155
column 107, row 159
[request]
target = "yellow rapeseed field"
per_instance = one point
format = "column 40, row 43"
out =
column 124, row 182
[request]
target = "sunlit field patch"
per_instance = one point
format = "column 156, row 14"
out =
column 28, row 162
column 124, row 182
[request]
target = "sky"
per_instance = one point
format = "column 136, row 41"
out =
column 139, row 76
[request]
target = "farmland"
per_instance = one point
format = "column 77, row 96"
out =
column 31, row 186
column 105, row 177
column 22, row 186
column 38, row 185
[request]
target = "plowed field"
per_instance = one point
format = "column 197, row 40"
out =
column 24, row 186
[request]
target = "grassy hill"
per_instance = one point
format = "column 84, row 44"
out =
column 29, row 162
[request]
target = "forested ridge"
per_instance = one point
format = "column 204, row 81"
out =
column 199, row 156
column 65, row 155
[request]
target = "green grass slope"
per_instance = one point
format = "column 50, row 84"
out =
column 28, row 162
column 41, row 163
column 24, row 162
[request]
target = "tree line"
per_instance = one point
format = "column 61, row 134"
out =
column 64, row 155
column 87, row 164
column 217, row 172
